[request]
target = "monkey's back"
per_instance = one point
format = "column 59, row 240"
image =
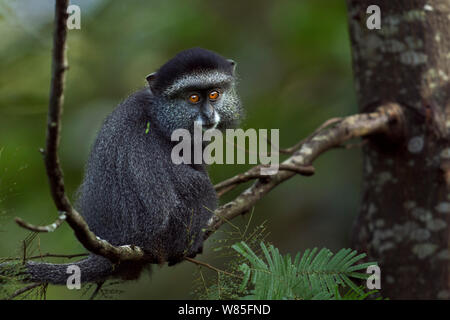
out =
column 133, row 193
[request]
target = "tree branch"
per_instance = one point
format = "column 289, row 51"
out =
column 48, row 228
column 51, row 158
column 295, row 147
column 255, row 173
column 386, row 119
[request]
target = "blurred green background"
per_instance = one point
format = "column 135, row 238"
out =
column 294, row 65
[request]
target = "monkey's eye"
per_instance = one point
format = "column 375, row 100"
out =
column 213, row 95
column 194, row 98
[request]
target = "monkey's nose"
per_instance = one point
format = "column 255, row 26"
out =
column 208, row 111
column 208, row 115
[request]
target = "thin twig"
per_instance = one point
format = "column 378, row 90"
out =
column 207, row 265
column 97, row 290
column 301, row 170
column 255, row 173
column 48, row 228
column 23, row 290
column 24, row 253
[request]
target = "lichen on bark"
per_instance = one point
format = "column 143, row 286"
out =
column 406, row 181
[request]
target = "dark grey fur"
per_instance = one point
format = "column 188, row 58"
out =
column 132, row 193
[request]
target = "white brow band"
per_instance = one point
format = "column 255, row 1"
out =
column 197, row 80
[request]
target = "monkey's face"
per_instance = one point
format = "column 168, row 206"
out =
column 209, row 105
column 196, row 86
column 203, row 105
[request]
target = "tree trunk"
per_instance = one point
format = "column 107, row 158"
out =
column 405, row 212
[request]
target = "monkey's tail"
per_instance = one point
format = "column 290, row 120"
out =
column 92, row 269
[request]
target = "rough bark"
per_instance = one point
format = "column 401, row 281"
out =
column 405, row 213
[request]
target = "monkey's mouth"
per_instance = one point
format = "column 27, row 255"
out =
column 208, row 126
column 212, row 124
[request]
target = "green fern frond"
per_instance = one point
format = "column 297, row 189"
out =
column 314, row 275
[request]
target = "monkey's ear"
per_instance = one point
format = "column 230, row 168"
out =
column 151, row 80
column 233, row 65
